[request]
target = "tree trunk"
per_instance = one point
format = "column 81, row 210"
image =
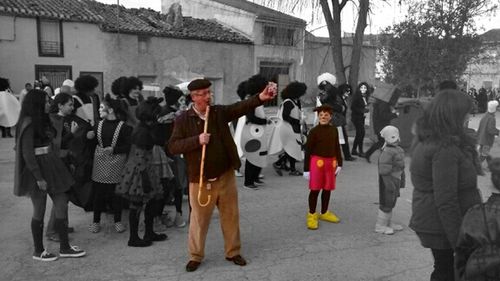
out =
column 357, row 43
column 332, row 19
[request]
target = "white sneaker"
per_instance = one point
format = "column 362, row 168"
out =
column 384, row 229
column 179, row 221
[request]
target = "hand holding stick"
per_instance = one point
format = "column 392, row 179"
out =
column 202, row 164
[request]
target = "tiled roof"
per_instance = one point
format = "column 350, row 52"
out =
column 492, row 35
column 262, row 12
column 113, row 18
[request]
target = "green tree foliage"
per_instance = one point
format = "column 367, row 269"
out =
column 435, row 43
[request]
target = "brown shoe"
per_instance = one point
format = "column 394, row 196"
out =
column 192, row 266
column 238, row 260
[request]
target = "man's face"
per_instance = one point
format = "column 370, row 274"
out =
column 201, row 98
column 324, row 117
column 28, row 87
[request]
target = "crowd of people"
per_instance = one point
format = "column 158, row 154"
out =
column 124, row 151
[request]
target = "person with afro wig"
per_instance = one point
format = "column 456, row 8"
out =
column 290, row 133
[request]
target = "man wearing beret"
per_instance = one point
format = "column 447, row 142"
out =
column 221, row 160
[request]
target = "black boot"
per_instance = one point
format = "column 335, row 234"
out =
column 134, row 240
column 37, row 232
column 149, row 215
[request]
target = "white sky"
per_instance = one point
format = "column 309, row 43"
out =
column 383, row 15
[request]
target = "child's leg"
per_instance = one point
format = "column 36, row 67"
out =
column 134, row 240
column 313, row 200
column 312, row 216
column 149, row 214
column 325, row 200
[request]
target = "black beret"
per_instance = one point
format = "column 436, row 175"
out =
column 199, row 84
column 324, row 107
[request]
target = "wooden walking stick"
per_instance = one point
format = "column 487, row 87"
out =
column 202, row 164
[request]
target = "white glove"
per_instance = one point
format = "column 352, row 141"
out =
column 338, row 170
column 306, row 175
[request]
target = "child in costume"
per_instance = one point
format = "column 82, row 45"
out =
column 140, row 182
column 252, row 140
column 113, row 144
column 487, row 131
column 323, row 149
column 289, row 130
column 391, row 178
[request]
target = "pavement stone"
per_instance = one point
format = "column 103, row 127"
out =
column 276, row 242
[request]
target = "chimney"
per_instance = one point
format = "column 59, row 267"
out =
column 174, row 15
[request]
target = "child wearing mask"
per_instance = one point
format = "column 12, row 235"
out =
column 322, row 167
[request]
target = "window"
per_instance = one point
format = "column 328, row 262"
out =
column 277, row 72
column 50, row 38
column 143, row 44
column 55, row 73
column 281, row 36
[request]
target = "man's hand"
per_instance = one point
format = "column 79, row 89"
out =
column 204, row 138
column 269, row 92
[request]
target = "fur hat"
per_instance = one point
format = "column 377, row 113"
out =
column 172, row 94
column 199, row 84
column 148, row 109
column 328, row 77
column 255, row 84
column 294, row 90
column 390, row 134
column 492, row 106
column 242, row 90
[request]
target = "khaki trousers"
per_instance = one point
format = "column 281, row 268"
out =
column 224, row 195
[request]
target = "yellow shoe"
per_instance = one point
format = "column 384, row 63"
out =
column 312, row 221
column 329, row 217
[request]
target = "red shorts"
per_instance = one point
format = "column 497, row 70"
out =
column 322, row 173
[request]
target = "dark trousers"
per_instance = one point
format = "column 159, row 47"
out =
column 443, row 265
column 6, row 132
column 106, row 199
column 345, row 146
column 251, row 173
column 375, row 146
column 359, row 125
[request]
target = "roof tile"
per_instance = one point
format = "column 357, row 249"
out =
column 113, row 18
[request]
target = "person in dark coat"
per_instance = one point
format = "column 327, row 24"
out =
column 189, row 138
column 359, row 110
column 383, row 113
column 444, row 169
column 479, row 231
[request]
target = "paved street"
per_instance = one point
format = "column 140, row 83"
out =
column 275, row 239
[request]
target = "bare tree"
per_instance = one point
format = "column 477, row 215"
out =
column 332, row 14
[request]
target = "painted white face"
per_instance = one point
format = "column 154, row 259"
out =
column 363, row 89
column 103, row 111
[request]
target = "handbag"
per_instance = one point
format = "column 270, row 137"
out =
column 485, row 260
column 108, row 166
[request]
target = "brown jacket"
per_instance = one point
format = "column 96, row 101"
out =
column 221, row 153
